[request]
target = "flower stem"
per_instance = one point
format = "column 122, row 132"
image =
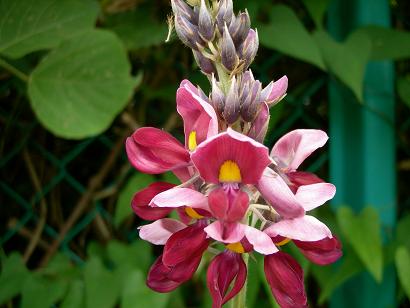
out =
column 13, row 70
column 239, row 300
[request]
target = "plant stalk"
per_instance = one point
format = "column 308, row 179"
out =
column 7, row 66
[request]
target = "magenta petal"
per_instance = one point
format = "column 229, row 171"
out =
column 153, row 151
column 292, row 149
column 140, row 201
column 323, row 252
column 229, row 209
column 226, row 232
column 260, row 125
column 197, row 114
column 159, row 231
column 177, row 197
column 185, row 243
column 314, row 195
column 250, row 156
column 260, row 241
column 306, row 228
column 277, row 193
column 285, row 278
column 225, row 269
column 158, row 280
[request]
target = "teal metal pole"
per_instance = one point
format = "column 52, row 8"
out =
column 362, row 147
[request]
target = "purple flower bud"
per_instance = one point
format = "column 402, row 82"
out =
column 239, row 28
column 275, row 91
column 250, row 105
column 228, row 51
column 225, row 14
column 204, row 63
column 249, row 47
column 205, row 24
column 179, row 7
column 232, row 104
column 217, row 97
column 187, row 32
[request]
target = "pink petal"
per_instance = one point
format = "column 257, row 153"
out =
column 159, row 231
column 260, row 125
column 197, row 114
column 306, row 228
column 225, row 269
column 142, row 198
column 292, row 149
column 250, row 156
column 177, row 197
column 314, row 195
column 153, row 151
column 277, row 193
column 285, row 278
column 184, row 244
column 226, row 232
column 275, row 91
column 323, row 252
column 260, row 241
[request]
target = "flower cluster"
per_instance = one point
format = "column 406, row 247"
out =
column 236, row 198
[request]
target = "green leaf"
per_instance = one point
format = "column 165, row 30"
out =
column 363, row 233
column 135, row 293
column 79, row 87
column 75, row 296
column 12, row 277
column 123, row 208
column 403, row 88
column 316, row 9
column 102, row 287
column 170, row 178
column 41, row 292
column 347, row 60
column 403, row 268
column 137, row 29
column 402, row 231
column 387, row 43
column 287, row 34
column 27, row 26
column 136, row 254
column 253, row 283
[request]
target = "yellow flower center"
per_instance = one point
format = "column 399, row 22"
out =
column 229, row 172
column 192, row 141
column 236, row 247
column 192, row 213
column 283, row 242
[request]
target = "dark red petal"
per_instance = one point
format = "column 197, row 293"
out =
column 224, row 269
column 300, row 178
column 158, row 279
column 229, row 205
column 321, row 252
column 142, row 198
column 285, row 278
column 185, row 270
column 183, row 244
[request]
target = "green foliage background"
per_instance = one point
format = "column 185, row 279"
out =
column 77, row 77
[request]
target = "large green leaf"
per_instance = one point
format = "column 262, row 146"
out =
column 136, row 255
column 402, row 231
column 403, row 88
column 387, row 43
column 346, row 60
column 102, row 287
column 75, row 296
column 80, row 87
column 286, row 33
column 316, row 8
column 137, row 182
column 403, row 268
column 27, row 25
column 138, row 29
column 12, row 277
column 363, row 233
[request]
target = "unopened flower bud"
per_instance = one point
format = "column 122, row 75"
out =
column 232, row 104
column 225, row 14
column 251, row 104
column 179, row 7
column 239, row 28
column 228, row 51
column 205, row 24
column 275, row 91
column 249, row 47
column 217, row 97
column 204, row 63
column 187, row 32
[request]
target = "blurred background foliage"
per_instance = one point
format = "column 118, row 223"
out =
column 77, row 77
